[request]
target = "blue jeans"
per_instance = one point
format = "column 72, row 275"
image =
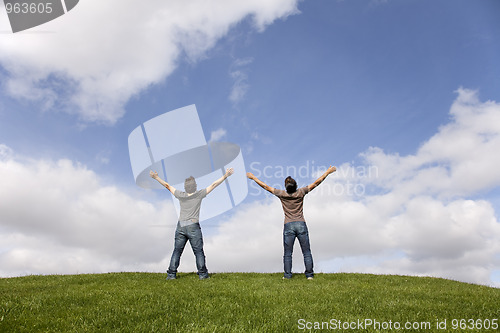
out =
column 292, row 230
column 192, row 233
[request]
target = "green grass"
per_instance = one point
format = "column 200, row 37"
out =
column 236, row 302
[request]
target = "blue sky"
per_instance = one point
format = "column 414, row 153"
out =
column 388, row 84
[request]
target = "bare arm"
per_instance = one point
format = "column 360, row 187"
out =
column 219, row 181
column 260, row 183
column 318, row 181
column 154, row 175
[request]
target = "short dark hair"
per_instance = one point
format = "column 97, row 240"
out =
column 290, row 185
column 190, row 185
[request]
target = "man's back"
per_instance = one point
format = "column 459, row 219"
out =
column 292, row 203
column 190, row 204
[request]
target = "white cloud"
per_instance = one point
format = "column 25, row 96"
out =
column 459, row 160
column 421, row 221
column 57, row 217
column 240, row 77
column 92, row 60
column 217, row 134
column 103, row 157
column 249, row 241
column 5, row 152
column 376, row 3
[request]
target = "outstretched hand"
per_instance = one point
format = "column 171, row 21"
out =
column 229, row 172
column 250, row 175
column 331, row 169
column 153, row 174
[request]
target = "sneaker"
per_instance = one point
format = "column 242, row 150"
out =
column 310, row 278
column 204, row 277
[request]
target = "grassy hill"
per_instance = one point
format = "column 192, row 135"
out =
column 244, row 302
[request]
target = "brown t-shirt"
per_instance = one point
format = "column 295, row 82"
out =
column 292, row 203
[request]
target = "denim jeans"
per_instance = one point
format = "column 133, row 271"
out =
column 192, row 233
column 292, row 230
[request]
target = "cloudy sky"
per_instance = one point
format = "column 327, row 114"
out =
column 402, row 96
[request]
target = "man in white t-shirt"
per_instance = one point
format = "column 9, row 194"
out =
column 188, row 226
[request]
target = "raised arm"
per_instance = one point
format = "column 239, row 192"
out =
column 154, row 175
column 219, row 181
column 260, row 183
column 318, row 181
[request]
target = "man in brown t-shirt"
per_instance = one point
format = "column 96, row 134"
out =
column 295, row 226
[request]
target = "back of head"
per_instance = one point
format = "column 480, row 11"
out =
column 290, row 185
column 190, row 185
